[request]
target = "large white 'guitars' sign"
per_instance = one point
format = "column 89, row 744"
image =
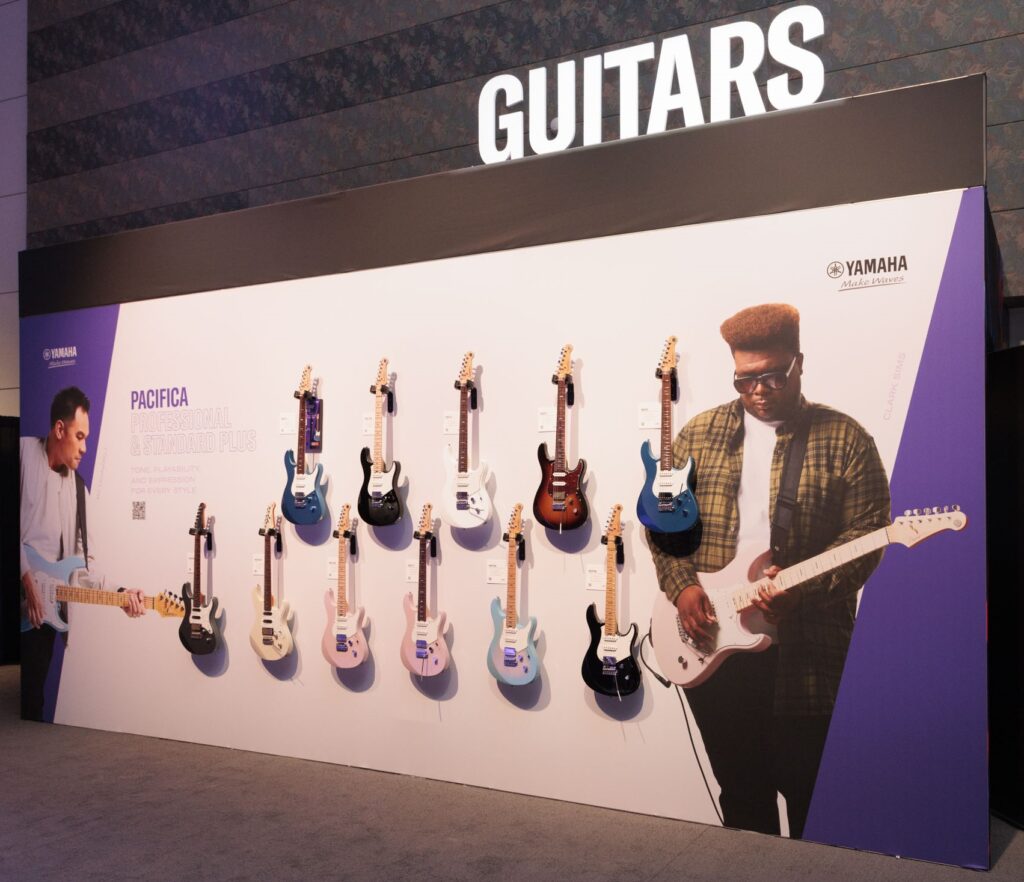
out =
column 675, row 64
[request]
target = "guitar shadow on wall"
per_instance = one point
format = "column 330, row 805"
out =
column 318, row 533
column 623, row 709
column 214, row 664
column 361, row 677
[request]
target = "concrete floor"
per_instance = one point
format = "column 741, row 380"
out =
column 80, row 804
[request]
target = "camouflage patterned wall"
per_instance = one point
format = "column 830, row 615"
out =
column 148, row 111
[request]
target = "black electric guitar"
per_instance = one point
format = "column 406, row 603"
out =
column 379, row 504
column 609, row 666
column 200, row 629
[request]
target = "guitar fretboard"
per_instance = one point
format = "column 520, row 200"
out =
column 268, row 557
column 378, row 429
column 816, row 566
column 75, row 594
column 560, row 427
column 421, row 605
column 300, row 444
column 342, row 591
column 611, row 624
column 464, row 394
column 666, row 419
column 197, row 559
column 511, row 616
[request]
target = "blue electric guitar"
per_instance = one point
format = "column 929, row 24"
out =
column 667, row 504
column 52, row 586
column 512, row 656
column 303, row 500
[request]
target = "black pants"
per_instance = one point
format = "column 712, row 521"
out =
column 37, row 647
column 754, row 754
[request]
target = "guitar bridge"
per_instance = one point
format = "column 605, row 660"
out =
column 609, row 666
column 666, row 502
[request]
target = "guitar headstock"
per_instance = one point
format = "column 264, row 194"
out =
column 668, row 358
column 382, row 377
column 515, row 525
column 304, row 383
column 614, row 528
column 426, row 522
column 920, row 523
column 269, row 523
column 168, row 604
column 564, row 369
column 344, row 521
column 199, row 527
column 465, row 372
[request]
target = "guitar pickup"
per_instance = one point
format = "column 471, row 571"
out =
column 510, row 657
column 268, row 641
column 421, row 649
column 268, row 632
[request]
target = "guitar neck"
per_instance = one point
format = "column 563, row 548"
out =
column 197, row 560
column 560, row 427
column 300, row 444
column 268, row 556
column 421, row 604
column 75, row 594
column 666, row 420
column 342, row 590
column 511, row 616
column 378, row 430
column 464, row 429
column 611, row 624
column 817, row 565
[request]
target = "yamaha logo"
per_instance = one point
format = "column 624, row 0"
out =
column 60, row 356
column 834, row 269
column 878, row 271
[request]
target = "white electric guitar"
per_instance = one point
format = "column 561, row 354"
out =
column 271, row 635
column 741, row 627
column 344, row 642
column 465, row 500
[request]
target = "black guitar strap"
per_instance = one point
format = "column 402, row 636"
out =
column 80, row 519
column 785, row 502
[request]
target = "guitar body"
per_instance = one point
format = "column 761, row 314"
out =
column 667, row 503
column 466, row 502
column 344, row 644
column 47, row 575
column 199, row 631
column 571, row 513
column 271, row 635
column 679, row 658
column 424, row 650
column 303, row 500
column 609, row 666
column 512, row 655
column 379, row 504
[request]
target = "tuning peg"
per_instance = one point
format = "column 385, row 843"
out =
column 906, row 513
column 945, row 508
column 917, row 511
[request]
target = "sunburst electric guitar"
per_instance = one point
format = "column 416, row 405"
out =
column 271, row 635
column 424, row 649
column 560, row 503
column 52, row 585
column 303, row 500
column 741, row 627
column 512, row 655
column 200, row 630
column 379, row 503
column 465, row 500
column 666, row 503
column 609, row 666
column 344, row 644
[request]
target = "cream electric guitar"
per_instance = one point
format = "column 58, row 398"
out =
column 424, row 649
column 741, row 626
column 344, row 644
column 466, row 502
column 271, row 635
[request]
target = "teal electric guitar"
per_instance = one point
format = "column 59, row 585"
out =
column 512, row 656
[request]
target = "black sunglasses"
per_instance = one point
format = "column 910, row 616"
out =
column 771, row 379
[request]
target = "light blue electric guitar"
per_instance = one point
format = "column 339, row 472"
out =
column 667, row 503
column 303, row 500
column 51, row 581
column 512, row 656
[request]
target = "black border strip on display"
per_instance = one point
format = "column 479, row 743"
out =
column 919, row 139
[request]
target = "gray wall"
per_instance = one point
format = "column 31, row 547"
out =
column 13, row 124
column 147, row 111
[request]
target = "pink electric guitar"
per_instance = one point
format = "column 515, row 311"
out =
column 424, row 650
column 344, row 643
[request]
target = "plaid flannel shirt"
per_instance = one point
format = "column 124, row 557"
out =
column 843, row 493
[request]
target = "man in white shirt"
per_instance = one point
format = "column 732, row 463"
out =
column 53, row 524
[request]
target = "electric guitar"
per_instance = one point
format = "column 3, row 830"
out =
column 560, row 503
column 741, row 627
column 512, row 655
column 609, row 666
column 666, row 503
column 51, row 580
column 271, row 635
column 303, row 500
column 379, row 503
column 344, row 644
column 200, row 631
column 424, row 650
column 466, row 502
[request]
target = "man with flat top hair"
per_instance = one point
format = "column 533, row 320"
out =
column 764, row 716
column 53, row 499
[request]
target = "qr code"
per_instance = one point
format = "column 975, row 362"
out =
column 139, row 510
